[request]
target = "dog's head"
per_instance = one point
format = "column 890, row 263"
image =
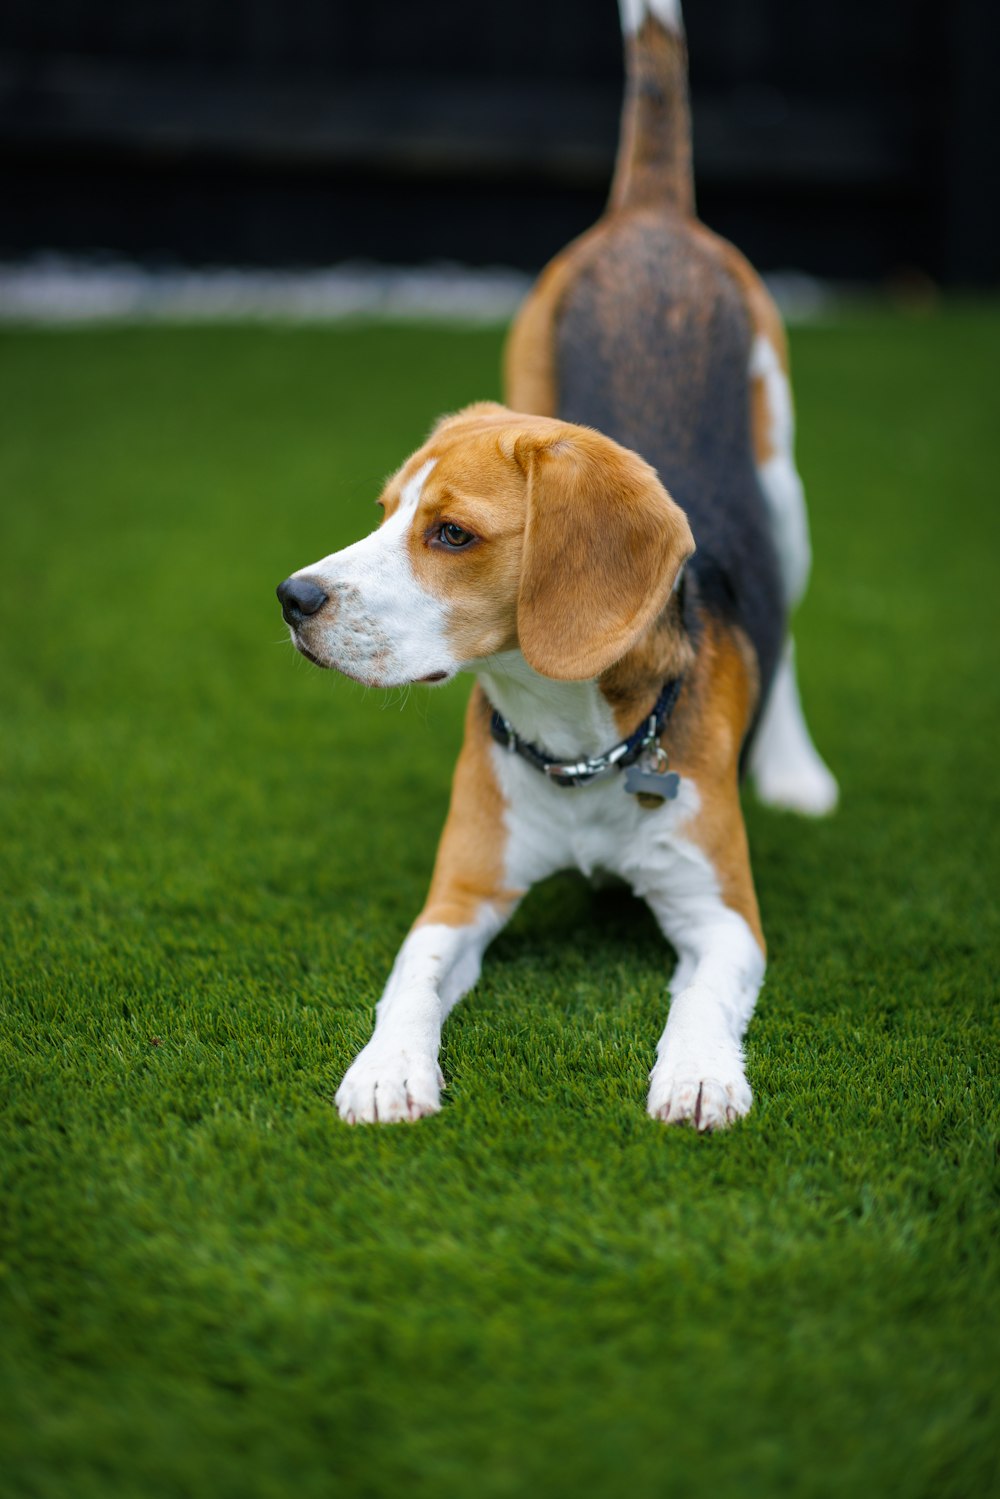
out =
column 502, row 532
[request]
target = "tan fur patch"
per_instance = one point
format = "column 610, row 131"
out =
column 703, row 740
column 469, row 868
column 760, row 420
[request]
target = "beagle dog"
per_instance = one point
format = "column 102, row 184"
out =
column 614, row 555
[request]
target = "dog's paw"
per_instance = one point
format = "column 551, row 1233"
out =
column 806, row 787
column 709, row 1103
column 389, row 1084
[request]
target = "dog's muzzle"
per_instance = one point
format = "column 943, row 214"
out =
column 299, row 598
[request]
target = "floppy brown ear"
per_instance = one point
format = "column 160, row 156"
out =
column 603, row 545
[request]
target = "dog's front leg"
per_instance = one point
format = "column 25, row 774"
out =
column 396, row 1076
column 699, row 1076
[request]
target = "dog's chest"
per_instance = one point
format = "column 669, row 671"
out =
column 596, row 828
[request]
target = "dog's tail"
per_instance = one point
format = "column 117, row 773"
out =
column 654, row 152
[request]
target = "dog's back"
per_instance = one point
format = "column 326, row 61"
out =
column 645, row 328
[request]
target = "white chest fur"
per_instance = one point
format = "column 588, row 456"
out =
column 600, row 827
column 596, row 828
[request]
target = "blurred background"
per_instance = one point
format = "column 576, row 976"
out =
column 853, row 142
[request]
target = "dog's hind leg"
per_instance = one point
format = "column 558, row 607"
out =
column 786, row 767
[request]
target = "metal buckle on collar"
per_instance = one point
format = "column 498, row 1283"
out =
column 582, row 772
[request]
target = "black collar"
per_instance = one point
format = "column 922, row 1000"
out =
column 595, row 767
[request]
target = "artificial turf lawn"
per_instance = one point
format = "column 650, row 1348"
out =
column 211, row 851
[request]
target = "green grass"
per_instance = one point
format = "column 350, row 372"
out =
column 210, row 852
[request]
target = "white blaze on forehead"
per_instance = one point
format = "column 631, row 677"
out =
column 409, row 497
column 634, row 12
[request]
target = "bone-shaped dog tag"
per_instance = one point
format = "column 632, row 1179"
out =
column 652, row 787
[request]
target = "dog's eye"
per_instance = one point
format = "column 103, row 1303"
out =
column 453, row 536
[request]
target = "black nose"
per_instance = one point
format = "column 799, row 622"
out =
column 299, row 597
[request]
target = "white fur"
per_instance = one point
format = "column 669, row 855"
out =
column 634, row 12
column 699, row 1074
column 786, row 766
column 380, row 625
column 595, row 828
column 778, row 475
column 566, row 719
column 598, row 829
column 409, row 497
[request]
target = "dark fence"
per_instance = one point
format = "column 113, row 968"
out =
column 851, row 140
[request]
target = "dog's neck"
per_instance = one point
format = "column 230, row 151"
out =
column 567, row 719
column 572, row 720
